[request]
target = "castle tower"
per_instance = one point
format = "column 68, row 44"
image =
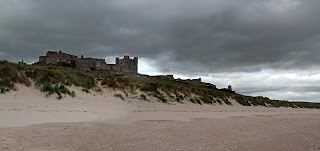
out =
column 127, row 66
column 117, row 60
column 230, row 88
column 135, row 65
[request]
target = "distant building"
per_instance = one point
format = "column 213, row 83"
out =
column 21, row 62
column 125, row 66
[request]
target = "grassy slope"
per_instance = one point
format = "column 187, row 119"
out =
column 52, row 79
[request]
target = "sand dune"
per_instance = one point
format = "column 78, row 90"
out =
column 30, row 121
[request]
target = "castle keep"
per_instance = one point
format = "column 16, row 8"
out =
column 125, row 66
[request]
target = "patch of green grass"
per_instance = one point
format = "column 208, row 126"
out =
column 193, row 100
column 4, row 90
column 59, row 96
column 47, row 87
column 119, row 96
column 168, row 87
column 6, row 84
column 62, row 89
column 256, row 101
column 305, row 105
column 160, row 97
column 59, row 89
column 125, row 92
column 198, row 101
column 85, row 90
column 66, row 76
column 11, row 74
column 242, row 100
column 143, row 97
column 110, row 81
column 97, row 89
column 179, row 98
column 25, row 79
column 226, row 101
column 219, row 101
column 206, row 100
column 73, row 94
column 169, row 95
column 117, row 82
column 124, row 82
column 150, row 87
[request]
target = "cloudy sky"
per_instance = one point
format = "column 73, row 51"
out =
column 260, row 47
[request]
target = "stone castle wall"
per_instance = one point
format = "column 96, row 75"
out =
column 125, row 66
column 196, row 82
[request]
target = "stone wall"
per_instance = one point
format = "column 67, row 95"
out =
column 192, row 81
column 87, row 64
column 55, row 58
column 196, row 82
column 169, row 77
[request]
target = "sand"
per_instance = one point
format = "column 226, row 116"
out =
column 99, row 121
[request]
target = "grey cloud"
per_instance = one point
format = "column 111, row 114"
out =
column 214, row 36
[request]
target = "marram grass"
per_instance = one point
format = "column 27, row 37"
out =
column 56, row 80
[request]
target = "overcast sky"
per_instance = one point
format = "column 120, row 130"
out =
column 260, row 47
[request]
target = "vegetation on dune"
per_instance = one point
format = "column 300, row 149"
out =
column 59, row 89
column 226, row 101
column 115, row 82
column 182, row 91
column 264, row 101
column 63, row 75
column 143, row 97
column 119, row 96
column 85, row 90
column 192, row 100
column 50, row 79
column 11, row 74
column 57, row 79
column 306, row 104
column 160, row 97
column 97, row 89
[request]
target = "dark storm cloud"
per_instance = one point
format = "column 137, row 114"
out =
column 183, row 36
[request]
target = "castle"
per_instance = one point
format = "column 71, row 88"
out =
column 125, row 66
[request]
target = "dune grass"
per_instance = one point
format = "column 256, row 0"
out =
column 143, row 97
column 59, row 89
column 50, row 79
column 56, row 80
column 119, row 96
column 10, row 74
column 162, row 89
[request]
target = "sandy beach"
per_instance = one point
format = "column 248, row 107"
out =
column 100, row 121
